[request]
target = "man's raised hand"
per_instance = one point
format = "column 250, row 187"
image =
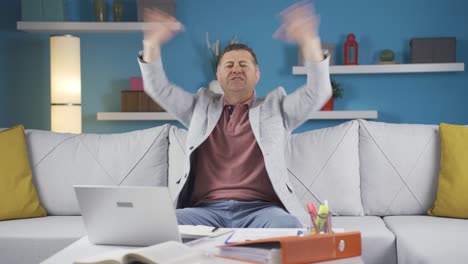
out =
column 159, row 29
column 300, row 25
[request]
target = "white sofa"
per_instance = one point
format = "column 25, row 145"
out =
column 379, row 178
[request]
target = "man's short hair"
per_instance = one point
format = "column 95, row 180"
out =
column 238, row 46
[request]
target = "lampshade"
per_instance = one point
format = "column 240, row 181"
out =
column 65, row 84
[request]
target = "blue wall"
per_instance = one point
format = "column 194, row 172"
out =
column 109, row 60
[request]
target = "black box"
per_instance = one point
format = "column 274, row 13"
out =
column 433, row 50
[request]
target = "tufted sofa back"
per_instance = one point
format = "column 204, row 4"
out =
column 363, row 167
column 399, row 167
column 360, row 167
column 60, row 160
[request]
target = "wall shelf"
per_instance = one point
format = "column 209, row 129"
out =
column 139, row 116
column 389, row 68
column 146, row 116
column 85, row 27
column 345, row 114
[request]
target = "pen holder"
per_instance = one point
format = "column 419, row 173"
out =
column 321, row 224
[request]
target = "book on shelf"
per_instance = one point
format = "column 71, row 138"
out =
column 295, row 249
column 170, row 252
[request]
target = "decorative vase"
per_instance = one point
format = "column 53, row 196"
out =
column 215, row 87
column 328, row 106
column 117, row 10
column 100, row 10
column 351, row 50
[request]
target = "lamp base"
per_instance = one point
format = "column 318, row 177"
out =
column 66, row 118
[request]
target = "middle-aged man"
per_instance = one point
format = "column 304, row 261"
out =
column 235, row 167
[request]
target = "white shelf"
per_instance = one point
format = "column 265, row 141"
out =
column 142, row 116
column 85, row 27
column 389, row 68
column 344, row 114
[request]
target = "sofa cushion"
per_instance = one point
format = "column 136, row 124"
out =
column 32, row 240
column 452, row 192
column 428, row 239
column 324, row 165
column 18, row 197
column 378, row 243
column 61, row 160
column 399, row 165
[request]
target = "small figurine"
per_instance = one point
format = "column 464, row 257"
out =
column 350, row 50
column 386, row 57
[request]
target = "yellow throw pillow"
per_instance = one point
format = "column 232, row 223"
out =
column 452, row 192
column 18, row 197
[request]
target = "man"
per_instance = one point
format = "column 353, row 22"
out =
column 236, row 174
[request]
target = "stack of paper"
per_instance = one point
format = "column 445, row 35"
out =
column 241, row 235
column 199, row 231
column 255, row 255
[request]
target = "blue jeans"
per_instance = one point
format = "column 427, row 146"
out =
column 237, row 214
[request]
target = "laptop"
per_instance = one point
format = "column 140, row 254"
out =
column 127, row 215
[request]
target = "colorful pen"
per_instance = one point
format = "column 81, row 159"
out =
column 313, row 214
column 322, row 215
column 311, row 208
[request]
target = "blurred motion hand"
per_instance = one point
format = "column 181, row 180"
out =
column 300, row 25
column 159, row 29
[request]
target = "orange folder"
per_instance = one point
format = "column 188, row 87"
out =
column 309, row 248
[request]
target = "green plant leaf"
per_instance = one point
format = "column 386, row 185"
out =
column 337, row 91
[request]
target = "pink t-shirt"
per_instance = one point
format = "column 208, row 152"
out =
column 230, row 163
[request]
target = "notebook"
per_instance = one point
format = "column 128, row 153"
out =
column 127, row 215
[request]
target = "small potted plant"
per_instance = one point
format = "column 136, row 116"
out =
column 337, row 92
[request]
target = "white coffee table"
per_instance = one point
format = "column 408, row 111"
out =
column 84, row 249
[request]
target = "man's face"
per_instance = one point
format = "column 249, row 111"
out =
column 237, row 72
